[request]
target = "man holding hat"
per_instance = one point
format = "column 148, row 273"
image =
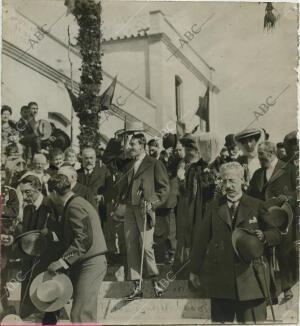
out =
column 36, row 238
column 84, row 250
column 277, row 179
column 226, row 276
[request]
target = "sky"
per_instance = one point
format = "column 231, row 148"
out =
column 252, row 66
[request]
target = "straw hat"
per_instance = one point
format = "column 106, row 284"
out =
column 50, row 292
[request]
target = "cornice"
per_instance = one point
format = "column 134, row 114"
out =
column 49, row 72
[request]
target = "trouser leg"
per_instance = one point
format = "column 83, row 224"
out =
column 222, row 310
column 87, row 278
column 251, row 311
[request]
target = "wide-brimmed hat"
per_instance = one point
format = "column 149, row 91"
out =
column 251, row 132
column 131, row 127
column 12, row 319
column 44, row 129
column 32, row 243
column 50, row 292
column 280, row 216
column 246, row 244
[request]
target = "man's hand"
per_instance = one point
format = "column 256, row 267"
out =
column 54, row 267
column 100, row 198
column 260, row 235
column 181, row 173
column 195, row 280
column 7, row 240
column 148, row 206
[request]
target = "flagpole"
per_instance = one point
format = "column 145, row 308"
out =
column 72, row 86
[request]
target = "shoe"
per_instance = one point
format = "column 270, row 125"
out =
column 158, row 289
column 288, row 295
column 136, row 293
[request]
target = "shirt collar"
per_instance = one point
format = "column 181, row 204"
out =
column 273, row 163
column 141, row 157
column 235, row 199
column 39, row 201
column 68, row 197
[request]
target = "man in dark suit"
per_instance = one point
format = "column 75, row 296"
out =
column 95, row 178
column 277, row 179
column 231, row 284
column 84, row 249
column 145, row 178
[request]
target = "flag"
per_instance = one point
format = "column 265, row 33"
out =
column 195, row 129
column 203, row 109
column 105, row 99
column 73, row 98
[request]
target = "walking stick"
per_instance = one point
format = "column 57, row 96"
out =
column 143, row 242
column 268, row 290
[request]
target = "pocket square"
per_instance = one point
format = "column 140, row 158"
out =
column 253, row 220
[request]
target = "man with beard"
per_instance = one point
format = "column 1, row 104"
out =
column 95, row 178
column 153, row 148
column 143, row 188
column 232, row 284
column 277, row 179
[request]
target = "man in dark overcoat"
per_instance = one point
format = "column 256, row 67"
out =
column 232, row 284
column 277, row 179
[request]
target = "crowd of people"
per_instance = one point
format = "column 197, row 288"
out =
column 136, row 204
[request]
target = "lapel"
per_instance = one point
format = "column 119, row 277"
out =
column 278, row 171
column 146, row 163
column 260, row 180
column 130, row 172
column 244, row 210
column 223, row 211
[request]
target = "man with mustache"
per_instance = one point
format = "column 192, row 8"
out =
column 277, row 179
column 95, row 178
column 144, row 185
column 230, row 282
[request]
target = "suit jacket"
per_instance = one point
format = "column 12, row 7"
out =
column 82, row 233
column 282, row 181
column 96, row 181
column 151, row 177
column 85, row 192
column 222, row 273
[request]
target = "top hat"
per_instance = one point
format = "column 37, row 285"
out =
column 251, row 132
column 32, row 243
column 50, row 292
column 280, row 216
column 44, row 129
column 132, row 127
column 246, row 244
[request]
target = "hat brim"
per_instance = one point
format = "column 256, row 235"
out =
column 28, row 250
column 59, row 302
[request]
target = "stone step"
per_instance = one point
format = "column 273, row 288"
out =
column 172, row 289
column 178, row 311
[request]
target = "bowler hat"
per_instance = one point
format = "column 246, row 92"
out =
column 50, row 292
column 169, row 140
column 44, row 129
column 32, row 243
column 280, row 216
column 251, row 132
column 246, row 244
